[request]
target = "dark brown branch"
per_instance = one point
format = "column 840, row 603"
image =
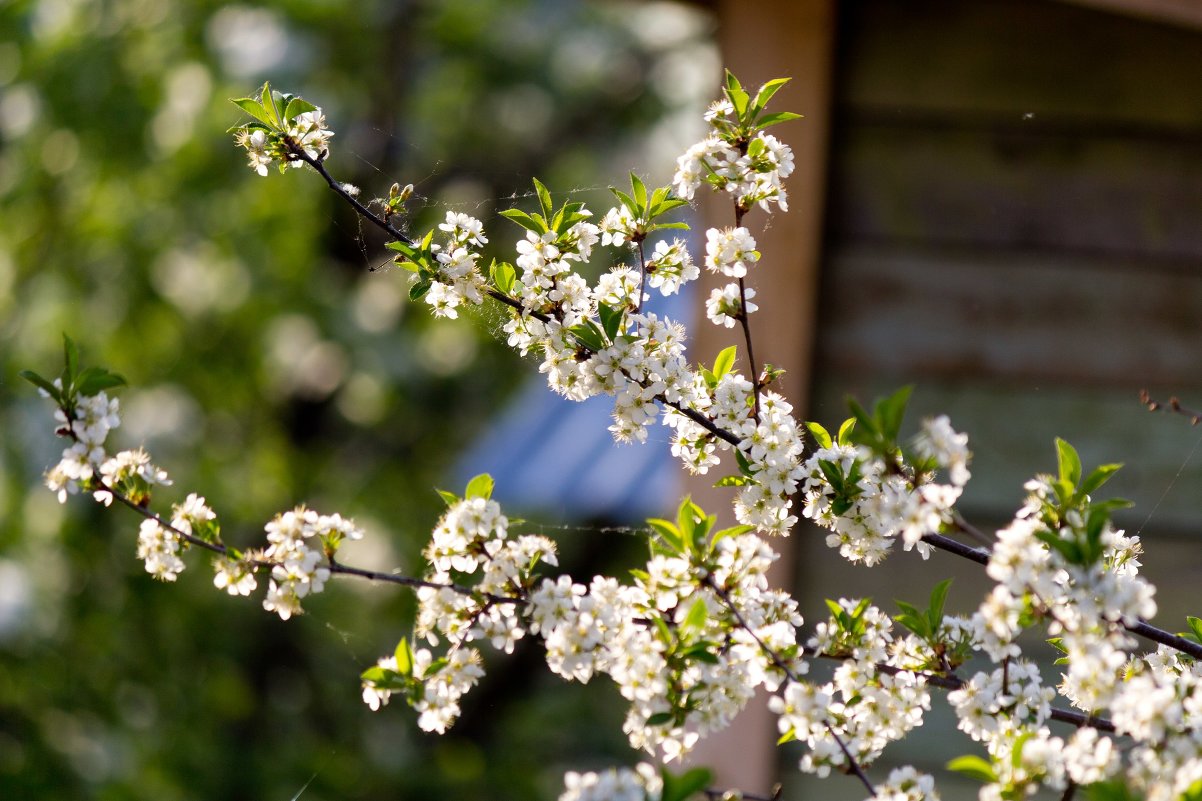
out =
column 334, row 567
column 1174, row 407
column 745, row 322
column 318, row 164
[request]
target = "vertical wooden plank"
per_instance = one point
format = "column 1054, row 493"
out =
column 759, row 41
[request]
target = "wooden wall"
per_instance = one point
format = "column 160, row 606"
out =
column 1014, row 225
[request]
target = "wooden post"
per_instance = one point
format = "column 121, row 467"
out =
column 759, row 41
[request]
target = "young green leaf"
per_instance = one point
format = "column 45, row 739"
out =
column 725, row 361
column 766, row 92
column 696, row 617
column 776, row 118
column 71, row 360
column 1068, row 461
column 821, row 436
column 296, row 107
column 479, row 487
column 46, row 386
column 255, row 109
column 404, row 657
column 611, row 320
column 639, row 192
column 973, row 767
column 544, row 199
column 537, row 225
column 684, row 786
column 419, row 289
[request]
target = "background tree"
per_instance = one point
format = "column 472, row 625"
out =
column 272, row 365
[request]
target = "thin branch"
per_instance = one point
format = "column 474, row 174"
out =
column 318, row 164
column 1079, row 719
column 745, row 321
column 1174, row 407
column 334, row 567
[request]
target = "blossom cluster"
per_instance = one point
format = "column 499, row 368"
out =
column 868, row 501
column 642, row 783
column 864, row 706
column 750, row 168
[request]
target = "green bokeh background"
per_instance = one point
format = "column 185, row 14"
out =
column 269, row 365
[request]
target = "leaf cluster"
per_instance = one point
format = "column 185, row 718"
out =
column 1073, row 521
column 750, row 113
column 689, row 536
column 74, row 382
column 646, row 207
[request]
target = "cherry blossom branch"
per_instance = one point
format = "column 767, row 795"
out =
column 952, row 682
column 318, row 164
column 941, row 542
column 334, row 566
column 508, row 300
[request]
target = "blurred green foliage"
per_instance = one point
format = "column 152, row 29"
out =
column 269, row 364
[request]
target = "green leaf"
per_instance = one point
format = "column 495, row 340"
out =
column 733, row 531
column 48, row 387
column 725, row 361
column 1097, row 478
column 589, row 335
column 523, row 219
column 660, row 718
column 732, row 481
column 71, row 360
column 1068, row 461
column 668, row 531
column 1114, row 790
column 776, row 118
column 820, row 434
column 639, row 191
column 696, row 617
column 419, row 289
column 97, row 379
column 449, row 498
column 626, row 200
column 254, row 109
column 891, row 410
column 973, row 767
column 267, row 101
column 404, row 657
column 787, row 737
column 766, row 92
column 938, row 597
column 682, row 787
column 731, row 81
column 296, row 106
column 503, row 275
column 682, row 226
column 611, row 320
column 479, row 487
column 544, row 199
column 1195, row 632
column 744, row 465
